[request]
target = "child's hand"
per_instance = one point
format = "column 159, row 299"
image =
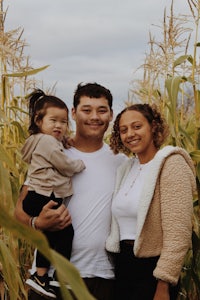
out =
column 67, row 142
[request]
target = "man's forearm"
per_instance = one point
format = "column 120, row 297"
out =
column 19, row 213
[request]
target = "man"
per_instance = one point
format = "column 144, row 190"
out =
column 90, row 205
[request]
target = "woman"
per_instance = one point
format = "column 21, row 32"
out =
column 152, row 207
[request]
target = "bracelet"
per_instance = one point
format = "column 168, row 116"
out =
column 32, row 222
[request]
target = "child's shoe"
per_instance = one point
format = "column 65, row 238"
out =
column 55, row 283
column 40, row 284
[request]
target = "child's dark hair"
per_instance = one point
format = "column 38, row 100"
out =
column 38, row 104
column 153, row 116
column 92, row 90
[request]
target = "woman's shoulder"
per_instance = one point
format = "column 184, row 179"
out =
column 176, row 156
column 126, row 164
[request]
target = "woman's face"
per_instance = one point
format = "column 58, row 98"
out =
column 137, row 135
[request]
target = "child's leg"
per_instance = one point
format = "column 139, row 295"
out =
column 64, row 245
column 33, row 204
column 42, row 264
column 39, row 281
column 61, row 240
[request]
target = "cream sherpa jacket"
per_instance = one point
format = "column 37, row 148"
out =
column 165, row 212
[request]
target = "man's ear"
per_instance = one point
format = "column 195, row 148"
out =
column 73, row 113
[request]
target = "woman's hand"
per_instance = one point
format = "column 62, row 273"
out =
column 162, row 291
column 53, row 219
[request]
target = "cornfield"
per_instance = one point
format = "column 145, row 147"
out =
column 170, row 79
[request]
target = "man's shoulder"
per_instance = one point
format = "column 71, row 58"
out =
column 120, row 157
column 104, row 152
column 70, row 150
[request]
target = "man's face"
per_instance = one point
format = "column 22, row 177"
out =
column 92, row 117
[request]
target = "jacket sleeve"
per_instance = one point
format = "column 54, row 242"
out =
column 55, row 155
column 113, row 240
column 177, row 183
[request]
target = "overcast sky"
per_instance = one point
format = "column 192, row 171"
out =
column 100, row 41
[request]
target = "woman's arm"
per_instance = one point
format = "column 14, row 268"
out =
column 176, row 193
column 162, row 291
column 49, row 218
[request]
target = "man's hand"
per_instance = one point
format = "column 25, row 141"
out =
column 49, row 218
column 53, row 219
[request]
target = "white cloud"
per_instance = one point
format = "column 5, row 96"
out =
column 87, row 40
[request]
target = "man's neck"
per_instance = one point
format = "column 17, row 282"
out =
column 87, row 145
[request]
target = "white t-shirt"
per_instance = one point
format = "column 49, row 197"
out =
column 90, row 209
column 126, row 201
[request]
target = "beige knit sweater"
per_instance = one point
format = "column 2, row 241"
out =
column 50, row 170
column 164, row 224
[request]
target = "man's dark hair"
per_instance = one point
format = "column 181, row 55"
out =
column 92, row 90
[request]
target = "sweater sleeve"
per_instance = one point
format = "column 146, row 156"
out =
column 53, row 152
column 177, row 183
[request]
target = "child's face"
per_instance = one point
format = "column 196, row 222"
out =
column 54, row 123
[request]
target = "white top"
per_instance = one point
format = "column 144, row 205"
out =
column 90, row 208
column 126, row 201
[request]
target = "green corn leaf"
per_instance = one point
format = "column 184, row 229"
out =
column 198, row 170
column 5, row 188
column 6, row 158
column 66, row 270
column 182, row 59
column 195, row 155
column 11, row 272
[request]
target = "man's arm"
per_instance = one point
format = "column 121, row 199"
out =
column 48, row 219
column 19, row 213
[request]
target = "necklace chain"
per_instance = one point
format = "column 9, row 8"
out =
column 134, row 179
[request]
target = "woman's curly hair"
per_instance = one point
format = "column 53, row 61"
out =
column 153, row 116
